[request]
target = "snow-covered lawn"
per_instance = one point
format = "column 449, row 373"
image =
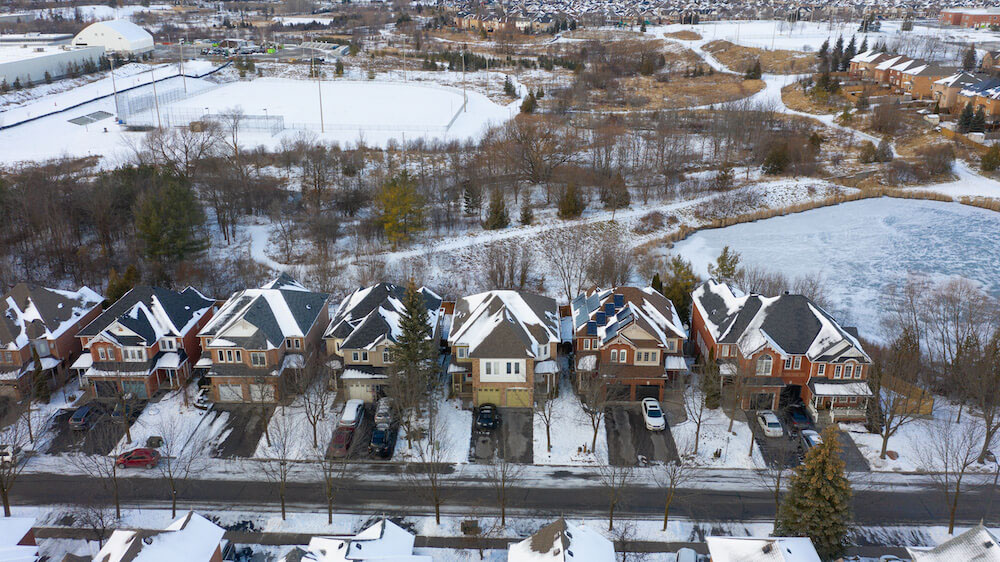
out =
column 291, row 433
column 733, row 446
column 454, row 435
column 193, row 431
column 862, row 246
column 910, row 441
column 572, row 433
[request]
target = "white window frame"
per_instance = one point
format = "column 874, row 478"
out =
column 385, row 356
column 355, row 357
column 288, row 343
column 788, row 364
column 614, row 355
column 297, row 343
column 857, row 371
column 517, row 367
column 654, row 356
column 764, row 359
column 797, row 364
column 101, row 353
column 168, row 344
column 489, row 367
column 671, row 345
column 239, row 356
column 222, row 356
column 364, row 356
column 462, row 352
column 821, row 369
column 586, row 343
column 836, row 371
column 849, row 371
column 258, row 358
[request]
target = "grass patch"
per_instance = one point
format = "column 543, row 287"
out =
column 680, row 92
column 797, row 100
column 685, row 35
column 738, row 58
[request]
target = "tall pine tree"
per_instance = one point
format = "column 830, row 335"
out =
column 817, row 504
column 413, row 357
column 497, row 216
column 837, row 55
column 680, row 281
column 824, row 56
column 864, row 45
column 849, row 52
column 969, row 59
column 964, row 124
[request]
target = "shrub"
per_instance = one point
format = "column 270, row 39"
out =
column 991, row 160
column 776, row 161
column 867, row 153
column 937, row 159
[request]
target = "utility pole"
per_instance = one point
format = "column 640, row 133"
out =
column 183, row 78
column 465, row 98
column 319, row 89
column 156, row 99
column 114, row 87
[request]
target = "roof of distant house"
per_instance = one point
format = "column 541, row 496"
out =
column 146, row 314
column 192, row 537
column 978, row 544
column 32, row 312
column 767, row 549
column 561, row 541
column 370, row 316
column 505, row 324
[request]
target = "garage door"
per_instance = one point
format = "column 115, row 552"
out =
column 359, row 392
column 518, row 398
column 137, row 388
column 262, row 393
column 488, row 396
column 230, row 393
column 647, row 391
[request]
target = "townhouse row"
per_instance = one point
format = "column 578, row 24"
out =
column 497, row 347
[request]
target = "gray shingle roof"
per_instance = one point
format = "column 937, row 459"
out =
column 152, row 311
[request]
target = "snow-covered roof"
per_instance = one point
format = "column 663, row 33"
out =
column 263, row 318
column 359, row 374
column 192, row 537
column 505, row 324
column 889, row 63
column 12, row 532
column 960, row 79
column 675, row 363
column 371, row 315
column 30, row 312
column 789, row 324
column 867, row 56
column 768, row 549
column 84, row 361
column 128, row 30
column 607, row 313
column 561, row 541
column 839, row 389
column 169, row 360
column 146, row 314
column 384, row 541
column 978, row 543
column 546, row 367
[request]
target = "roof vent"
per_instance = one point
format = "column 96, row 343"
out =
column 767, row 548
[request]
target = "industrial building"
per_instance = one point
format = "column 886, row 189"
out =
column 116, row 36
column 29, row 62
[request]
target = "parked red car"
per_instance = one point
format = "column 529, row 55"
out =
column 139, row 457
column 342, row 438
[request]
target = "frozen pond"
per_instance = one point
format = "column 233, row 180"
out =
column 862, row 246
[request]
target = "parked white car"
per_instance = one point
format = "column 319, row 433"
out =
column 7, row 456
column 354, row 410
column 652, row 414
column 769, row 423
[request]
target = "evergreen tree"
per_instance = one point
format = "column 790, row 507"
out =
column 414, row 353
column 849, row 52
column 657, row 283
column 472, row 199
column 508, row 87
column 726, row 267
column 824, row 56
column 401, row 207
column 864, row 45
column 571, row 203
column 991, row 160
column 837, row 55
column 753, row 71
column 497, row 216
column 711, row 383
column 978, row 124
column 529, row 104
column 884, row 151
column 969, row 59
column 118, row 285
column 48, row 77
column 339, row 68
column 678, row 284
column 964, row 123
column 39, row 381
column 527, row 214
column 168, row 220
column 817, row 504
column 540, row 93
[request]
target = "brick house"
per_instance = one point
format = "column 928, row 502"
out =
column 190, row 538
column 985, row 94
column 882, row 70
column 364, row 331
column 863, row 64
column 46, row 321
column 260, row 337
column 919, row 81
column 145, row 342
column 629, row 338
column 945, row 90
column 970, row 17
column 503, row 347
column 787, row 338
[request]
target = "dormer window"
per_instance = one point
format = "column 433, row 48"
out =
column 463, row 352
column 298, row 343
column 134, row 354
column 168, row 344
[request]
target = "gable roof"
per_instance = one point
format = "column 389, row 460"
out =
column 767, row 549
column 150, row 313
column 31, row 312
column 791, row 324
column 192, row 538
column 977, row 544
column 561, row 541
column 263, row 318
column 504, row 324
column 605, row 313
column 383, row 541
column 371, row 315
column 959, row 79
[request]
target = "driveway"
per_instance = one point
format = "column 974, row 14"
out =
column 246, row 426
column 628, row 438
column 777, row 451
column 100, row 439
column 514, row 439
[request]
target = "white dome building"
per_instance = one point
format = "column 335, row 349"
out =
column 116, row 36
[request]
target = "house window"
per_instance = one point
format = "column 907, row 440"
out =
column 764, row 365
column 614, row 355
column 489, row 367
column 517, row 368
column 671, row 345
column 821, row 370
column 788, row 364
column 586, row 344
column 385, row 356
column 798, row 363
column 849, row 371
column 100, row 353
column 857, row 372
column 239, row 356
column 510, row 369
column 298, row 343
column 229, row 356
column 258, row 359
column 623, row 356
column 364, row 356
column 222, row 357
column 462, row 352
column 836, row 372
column 653, row 357
column 288, row 343
column 167, row 344
column 354, row 356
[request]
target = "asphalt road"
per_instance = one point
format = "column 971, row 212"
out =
column 901, row 506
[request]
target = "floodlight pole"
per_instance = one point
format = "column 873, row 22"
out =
column 183, row 78
column 319, row 88
column 114, row 87
column 156, row 99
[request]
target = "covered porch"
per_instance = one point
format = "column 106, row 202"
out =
column 833, row 402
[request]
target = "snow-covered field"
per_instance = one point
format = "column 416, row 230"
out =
column 862, row 246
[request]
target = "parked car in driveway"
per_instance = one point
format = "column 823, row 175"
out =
column 124, row 408
column 652, row 415
column 769, row 423
column 383, row 412
column 341, row 443
column 139, row 457
column 798, row 417
column 381, row 443
column 7, row 455
column 354, row 410
column 83, row 418
column 487, row 418
column 810, row 439
column 201, row 400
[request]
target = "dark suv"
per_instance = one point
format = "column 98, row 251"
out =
column 83, row 418
column 487, row 418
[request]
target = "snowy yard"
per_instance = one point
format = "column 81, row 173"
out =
column 572, row 434
column 194, row 432
column 454, row 434
column 862, row 246
column 733, row 446
column 292, row 434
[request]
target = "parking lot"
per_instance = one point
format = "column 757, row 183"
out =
column 628, row 438
column 513, row 439
column 102, row 436
column 788, row 450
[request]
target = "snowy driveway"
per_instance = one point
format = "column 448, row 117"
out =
column 628, row 438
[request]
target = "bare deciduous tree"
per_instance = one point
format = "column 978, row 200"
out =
column 18, row 437
column 947, row 452
column 503, row 474
column 615, row 481
column 545, row 407
column 426, row 473
column 673, row 476
column 276, row 463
